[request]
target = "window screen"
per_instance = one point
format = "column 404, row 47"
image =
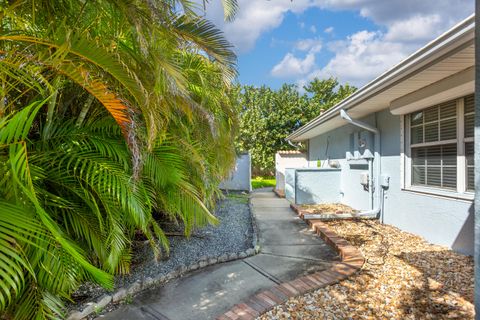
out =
column 469, row 157
column 438, row 123
column 469, row 123
column 437, row 154
column 469, row 118
column 435, row 166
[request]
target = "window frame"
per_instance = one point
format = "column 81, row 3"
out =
column 461, row 191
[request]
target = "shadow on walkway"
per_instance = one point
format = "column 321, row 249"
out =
column 288, row 250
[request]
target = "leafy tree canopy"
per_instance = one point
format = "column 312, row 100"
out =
column 268, row 116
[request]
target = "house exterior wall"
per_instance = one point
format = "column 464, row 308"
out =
column 440, row 220
column 240, row 178
column 290, row 184
column 332, row 146
column 309, row 191
column 287, row 160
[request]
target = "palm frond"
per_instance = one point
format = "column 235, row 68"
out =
column 113, row 119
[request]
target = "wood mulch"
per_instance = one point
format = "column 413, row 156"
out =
column 327, row 208
column 404, row 277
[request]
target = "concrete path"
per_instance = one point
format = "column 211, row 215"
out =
column 288, row 250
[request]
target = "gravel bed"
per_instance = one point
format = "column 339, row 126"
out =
column 404, row 277
column 233, row 234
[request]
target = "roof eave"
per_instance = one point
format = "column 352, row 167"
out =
column 400, row 70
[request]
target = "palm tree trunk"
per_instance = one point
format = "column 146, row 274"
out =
column 84, row 111
column 2, row 99
column 51, row 107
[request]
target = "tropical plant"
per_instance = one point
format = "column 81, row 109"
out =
column 110, row 110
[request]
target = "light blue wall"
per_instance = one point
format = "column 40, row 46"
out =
column 290, row 184
column 314, row 186
column 439, row 220
column 333, row 146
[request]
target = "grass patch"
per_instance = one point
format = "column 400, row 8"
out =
column 263, row 182
column 239, row 197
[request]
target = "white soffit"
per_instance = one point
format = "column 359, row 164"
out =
column 455, row 86
column 446, row 68
column 445, row 56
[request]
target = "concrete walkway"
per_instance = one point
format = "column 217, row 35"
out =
column 288, row 250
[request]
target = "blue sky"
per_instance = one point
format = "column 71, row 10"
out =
column 280, row 41
column 256, row 65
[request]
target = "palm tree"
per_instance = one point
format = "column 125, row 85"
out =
column 113, row 111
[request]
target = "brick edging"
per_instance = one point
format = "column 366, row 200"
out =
column 297, row 210
column 352, row 261
column 279, row 193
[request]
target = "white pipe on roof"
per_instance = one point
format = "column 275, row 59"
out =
column 344, row 115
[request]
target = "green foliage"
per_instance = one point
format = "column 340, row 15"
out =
column 72, row 207
column 238, row 197
column 327, row 92
column 268, row 116
column 128, row 299
column 263, row 182
column 114, row 115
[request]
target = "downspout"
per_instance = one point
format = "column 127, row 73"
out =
column 374, row 210
column 293, row 145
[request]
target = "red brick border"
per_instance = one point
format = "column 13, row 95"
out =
column 352, row 261
column 297, row 210
column 279, row 193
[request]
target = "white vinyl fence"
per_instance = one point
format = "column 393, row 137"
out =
column 240, row 178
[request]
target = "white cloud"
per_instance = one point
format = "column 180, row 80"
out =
column 311, row 45
column 291, row 66
column 416, row 28
column 386, row 12
column 253, row 19
column 256, row 17
column 362, row 57
column 406, row 26
column 313, row 29
column 328, row 30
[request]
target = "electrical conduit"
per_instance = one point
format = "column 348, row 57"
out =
column 374, row 210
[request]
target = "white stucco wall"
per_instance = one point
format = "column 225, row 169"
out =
column 315, row 186
column 290, row 184
column 285, row 160
column 240, row 178
column 333, row 146
column 440, row 220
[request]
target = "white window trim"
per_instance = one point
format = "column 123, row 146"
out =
column 402, row 152
column 406, row 164
column 461, row 160
column 434, row 143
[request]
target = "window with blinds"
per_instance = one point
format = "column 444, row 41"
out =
column 470, row 166
column 433, row 134
column 441, row 146
column 435, row 166
column 469, row 125
column 434, row 124
column 469, row 117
